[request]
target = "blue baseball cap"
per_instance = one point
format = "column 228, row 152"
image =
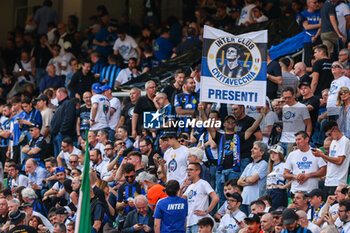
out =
column 59, row 169
column 105, row 88
column 96, row 87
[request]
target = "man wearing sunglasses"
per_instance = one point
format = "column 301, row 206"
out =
column 67, row 150
column 338, row 158
column 339, row 81
column 127, row 191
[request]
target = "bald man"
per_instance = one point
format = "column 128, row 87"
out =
column 306, row 224
column 300, row 71
column 267, row 223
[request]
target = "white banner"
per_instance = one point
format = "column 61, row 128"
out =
column 233, row 67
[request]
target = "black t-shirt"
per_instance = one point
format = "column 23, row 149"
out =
column 305, row 78
column 314, row 102
column 127, row 113
column 23, row 229
column 3, row 220
column 324, row 68
column 150, row 62
column 247, row 145
column 228, row 152
column 273, row 68
column 171, row 92
column 144, row 104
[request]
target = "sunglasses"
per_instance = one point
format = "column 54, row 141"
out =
column 336, row 66
column 129, row 177
column 182, row 140
column 73, row 161
column 108, row 149
column 344, row 92
column 73, row 174
column 121, row 143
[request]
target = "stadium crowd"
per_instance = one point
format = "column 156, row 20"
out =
column 282, row 167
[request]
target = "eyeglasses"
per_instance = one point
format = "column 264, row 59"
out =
column 277, row 217
column 108, row 149
column 191, row 169
column 344, row 92
column 336, row 66
column 230, row 121
column 129, row 177
column 182, row 140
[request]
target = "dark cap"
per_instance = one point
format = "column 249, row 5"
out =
column 289, row 216
column 316, row 192
column 236, row 196
column 113, row 23
column 17, row 217
column 61, row 210
column 229, row 116
column 59, row 169
column 24, row 205
column 252, row 218
column 304, row 84
column 170, row 133
column 36, row 125
column 42, row 97
column 279, row 210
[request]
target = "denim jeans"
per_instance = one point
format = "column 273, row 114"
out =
column 192, row 229
column 279, row 197
column 212, row 172
column 221, row 178
column 244, row 163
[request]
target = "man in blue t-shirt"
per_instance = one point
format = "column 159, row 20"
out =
column 163, row 48
column 170, row 214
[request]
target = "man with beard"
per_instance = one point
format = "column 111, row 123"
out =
column 344, row 214
column 98, row 163
column 186, row 103
column 232, row 68
column 290, row 221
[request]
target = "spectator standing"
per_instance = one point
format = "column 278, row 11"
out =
column 143, row 104
column 82, row 80
column 63, row 121
column 197, row 195
column 312, row 102
column 100, row 109
column 46, row 115
column 343, row 100
column 329, row 27
column 245, row 13
column 321, row 69
column 175, row 88
column 105, row 38
column 253, row 178
column 337, row 159
column 302, row 167
column 110, row 72
column 288, row 79
column 162, row 47
column 190, row 42
column 275, row 182
column 274, row 78
column 115, row 110
column 343, row 17
column 170, row 213
column 339, row 81
column 295, row 118
column 83, row 120
column 300, row 71
column 45, row 15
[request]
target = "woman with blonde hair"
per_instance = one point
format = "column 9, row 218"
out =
column 343, row 100
column 275, row 183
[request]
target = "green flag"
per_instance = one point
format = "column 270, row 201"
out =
column 83, row 222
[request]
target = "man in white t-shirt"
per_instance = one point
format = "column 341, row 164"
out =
column 197, row 195
column 46, row 115
column 338, row 158
column 98, row 164
column 343, row 16
column 116, row 108
column 127, row 74
column 302, row 167
column 339, row 81
column 175, row 158
column 67, row 150
column 295, row 117
column 228, row 221
column 126, row 46
column 245, row 13
column 100, row 110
